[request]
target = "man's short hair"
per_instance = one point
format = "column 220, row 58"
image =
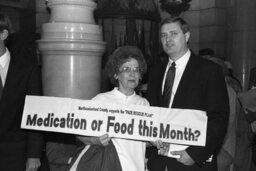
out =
column 183, row 24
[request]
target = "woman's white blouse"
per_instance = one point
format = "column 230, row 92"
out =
column 131, row 153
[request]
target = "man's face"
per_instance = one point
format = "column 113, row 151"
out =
column 173, row 40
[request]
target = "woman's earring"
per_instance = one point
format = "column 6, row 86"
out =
column 115, row 76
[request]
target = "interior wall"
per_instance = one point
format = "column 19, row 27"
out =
column 224, row 25
column 21, row 13
column 208, row 25
column 241, row 38
column 206, row 17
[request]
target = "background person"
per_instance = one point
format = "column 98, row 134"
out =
column 226, row 156
column 19, row 149
column 246, row 144
column 206, row 53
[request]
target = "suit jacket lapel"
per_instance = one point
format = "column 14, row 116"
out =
column 161, row 74
column 14, row 74
column 184, row 84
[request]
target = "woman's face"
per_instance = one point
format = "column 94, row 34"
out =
column 128, row 76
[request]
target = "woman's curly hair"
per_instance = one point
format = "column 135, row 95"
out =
column 120, row 56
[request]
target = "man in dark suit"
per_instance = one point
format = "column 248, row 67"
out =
column 19, row 149
column 198, row 84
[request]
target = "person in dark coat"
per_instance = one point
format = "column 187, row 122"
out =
column 19, row 149
column 198, row 84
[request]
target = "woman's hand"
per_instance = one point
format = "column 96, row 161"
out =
column 158, row 144
column 102, row 140
column 162, row 147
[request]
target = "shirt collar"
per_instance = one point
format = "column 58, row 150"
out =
column 5, row 58
column 121, row 95
column 182, row 61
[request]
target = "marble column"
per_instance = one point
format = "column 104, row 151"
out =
column 241, row 38
column 71, row 47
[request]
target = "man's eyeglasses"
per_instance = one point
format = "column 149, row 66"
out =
column 129, row 70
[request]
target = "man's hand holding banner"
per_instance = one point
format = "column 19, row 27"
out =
column 93, row 118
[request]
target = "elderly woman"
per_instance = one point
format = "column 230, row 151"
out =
column 125, row 68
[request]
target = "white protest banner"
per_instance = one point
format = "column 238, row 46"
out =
column 93, row 118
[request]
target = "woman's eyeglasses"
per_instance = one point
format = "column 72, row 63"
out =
column 129, row 70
